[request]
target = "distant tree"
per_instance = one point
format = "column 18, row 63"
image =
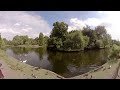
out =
column 0, row 41
column 46, row 39
column 37, row 40
column 41, row 39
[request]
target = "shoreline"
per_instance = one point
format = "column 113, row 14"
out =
column 24, row 71
column 102, row 72
column 28, row 70
column 26, row 46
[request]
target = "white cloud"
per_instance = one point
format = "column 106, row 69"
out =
column 21, row 23
column 26, row 30
column 100, row 11
column 4, row 30
column 17, row 24
column 110, row 19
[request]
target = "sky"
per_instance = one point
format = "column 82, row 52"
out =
column 31, row 23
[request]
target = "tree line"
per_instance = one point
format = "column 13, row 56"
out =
column 61, row 39
column 87, row 38
column 25, row 40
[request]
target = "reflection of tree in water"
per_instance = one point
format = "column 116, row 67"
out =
column 61, row 60
column 20, row 50
column 41, row 51
column 59, row 66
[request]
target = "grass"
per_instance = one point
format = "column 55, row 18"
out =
column 46, row 74
column 27, row 69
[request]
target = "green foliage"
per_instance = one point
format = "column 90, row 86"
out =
column 76, row 40
column 46, row 40
column 86, row 39
column 0, row 41
column 115, row 52
column 99, row 44
column 41, row 39
column 61, row 39
column 59, row 30
column 116, row 42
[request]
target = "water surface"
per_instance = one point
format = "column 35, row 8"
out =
column 63, row 63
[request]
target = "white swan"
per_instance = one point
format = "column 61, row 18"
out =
column 24, row 61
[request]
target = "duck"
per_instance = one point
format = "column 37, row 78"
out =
column 24, row 61
column 109, row 67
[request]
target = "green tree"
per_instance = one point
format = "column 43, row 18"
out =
column 46, row 40
column 41, row 39
column 99, row 44
column 59, row 30
column 107, row 41
column 75, row 40
column 100, row 31
column 0, row 41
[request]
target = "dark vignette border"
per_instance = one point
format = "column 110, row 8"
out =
column 59, row 5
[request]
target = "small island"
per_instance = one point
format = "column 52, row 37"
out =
column 77, row 40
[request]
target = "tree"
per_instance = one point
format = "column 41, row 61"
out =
column 24, row 39
column 59, row 30
column 107, row 40
column 99, row 44
column 100, row 31
column 37, row 40
column 46, row 40
column 75, row 40
column 58, row 35
column 86, row 39
column 0, row 41
column 41, row 39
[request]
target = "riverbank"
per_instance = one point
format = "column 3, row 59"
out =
column 26, row 46
column 14, row 69
column 107, row 71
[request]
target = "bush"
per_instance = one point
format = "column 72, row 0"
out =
column 115, row 53
column 99, row 44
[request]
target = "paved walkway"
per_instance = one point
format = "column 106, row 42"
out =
column 7, row 73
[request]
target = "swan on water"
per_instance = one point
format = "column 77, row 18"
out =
column 24, row 61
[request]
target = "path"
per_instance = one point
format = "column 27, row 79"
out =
column 116, row 73
column 7, row 73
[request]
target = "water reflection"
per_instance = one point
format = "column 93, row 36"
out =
column 65, row 64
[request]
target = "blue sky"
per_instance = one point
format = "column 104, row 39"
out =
column 53, row 16
column 31, row 23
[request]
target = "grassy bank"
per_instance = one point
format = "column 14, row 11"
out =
column 26, row 70
column 103, row 72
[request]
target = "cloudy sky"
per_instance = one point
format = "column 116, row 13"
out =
column 31, row 23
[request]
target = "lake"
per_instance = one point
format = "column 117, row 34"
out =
column 63, row 63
